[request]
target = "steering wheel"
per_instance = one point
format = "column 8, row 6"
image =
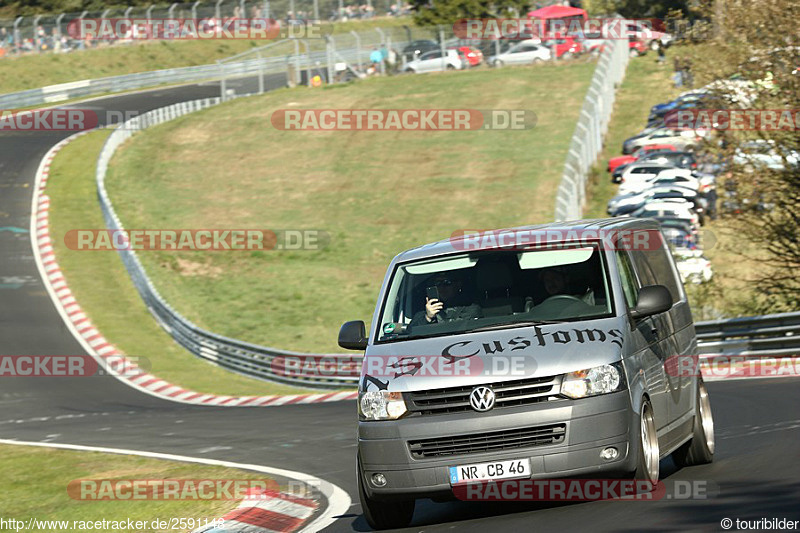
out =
column 563, row 297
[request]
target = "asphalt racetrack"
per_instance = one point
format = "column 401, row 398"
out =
column 755, row 475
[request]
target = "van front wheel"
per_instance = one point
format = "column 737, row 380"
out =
column 699, row 450
column 647, row 465
column 383, row 515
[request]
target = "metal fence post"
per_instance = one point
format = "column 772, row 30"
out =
column 316, row 9
column 171, row 10
column 36, row 40
column 383, row 43
column 194, row 10
column 222, row 84
column 260, row 73
column 59, row 18
column 17, row 44
column 329, row 48
column 442, row 49
column 149, row 12
column 218, row 10
column 358, row 47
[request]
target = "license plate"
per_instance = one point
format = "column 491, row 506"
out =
column 486, row 471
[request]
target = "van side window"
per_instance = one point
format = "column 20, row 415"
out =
column 628, row 278
column 658, row 264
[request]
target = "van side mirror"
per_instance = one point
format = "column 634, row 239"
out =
column 353, row 335
column 652, row 300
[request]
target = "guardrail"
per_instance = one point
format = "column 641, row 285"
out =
column 769, row 335
column 766, row 335
column 331, row 370
column 587, row 141
column 772, row 335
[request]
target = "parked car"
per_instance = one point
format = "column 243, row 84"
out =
column 675, row 158
column 566, row 47
column 636, row 48
column 763, row 153
column 434, row 62
column 523, row 53
column 649, row 36
column 659, row 110
column 628, row 203
column 639, row 172
column 684, row 140
column 673, row 208
column 470, row 56
column 671, row 177
column 693, row 269
column 591, row 387
column 615, row 162
column 415, row 49
column 679, row 238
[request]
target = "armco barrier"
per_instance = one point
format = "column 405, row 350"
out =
column 769, row 335
column 250, row 359
column 141, row 80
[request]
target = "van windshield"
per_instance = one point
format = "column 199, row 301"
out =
column 496, row 288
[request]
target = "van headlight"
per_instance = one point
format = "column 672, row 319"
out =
column 593, row 381
column 381, row 405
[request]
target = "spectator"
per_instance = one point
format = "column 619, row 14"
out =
column 677, row 65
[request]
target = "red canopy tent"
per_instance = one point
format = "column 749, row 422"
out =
column 558, row 12
column 556, row 19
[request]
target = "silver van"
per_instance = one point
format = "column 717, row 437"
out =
column 540, row 352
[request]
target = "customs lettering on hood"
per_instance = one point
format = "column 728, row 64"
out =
column 465, row 349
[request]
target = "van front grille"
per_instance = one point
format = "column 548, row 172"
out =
column 507, row 394
column 488, row 442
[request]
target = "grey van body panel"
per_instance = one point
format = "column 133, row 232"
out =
column 643, row 347
column 592, row 424
column 543, row 350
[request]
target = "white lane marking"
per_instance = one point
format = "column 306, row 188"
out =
column 338, row 500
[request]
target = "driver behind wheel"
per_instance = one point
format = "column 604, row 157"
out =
column 557, row 282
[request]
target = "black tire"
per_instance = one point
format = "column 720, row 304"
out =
column 634, row 52
column 699, row 450
column 450, row 67
column 566, row 55
column 647, row 468
column 498, row 63
column 383, row 515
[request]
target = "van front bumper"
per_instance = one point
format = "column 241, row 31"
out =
column 592, row 424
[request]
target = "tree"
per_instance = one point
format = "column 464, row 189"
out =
column 447, row 12
column 754, row 46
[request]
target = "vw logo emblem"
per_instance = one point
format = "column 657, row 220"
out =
column 482, row 398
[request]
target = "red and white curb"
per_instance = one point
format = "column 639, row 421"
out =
column 268, row 512
column 265, row 513
column 108, row 356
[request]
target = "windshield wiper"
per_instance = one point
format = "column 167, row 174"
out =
column 508, row 325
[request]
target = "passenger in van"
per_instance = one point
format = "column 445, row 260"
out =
column 452, row 304
column 556, row 281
